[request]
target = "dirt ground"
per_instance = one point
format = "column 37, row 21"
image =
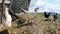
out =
column 36, row 26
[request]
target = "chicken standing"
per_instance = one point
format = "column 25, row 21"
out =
column 8, row 18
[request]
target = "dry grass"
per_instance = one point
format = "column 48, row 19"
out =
column 38, row 26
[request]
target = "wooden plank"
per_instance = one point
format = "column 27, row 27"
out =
column 6, row 1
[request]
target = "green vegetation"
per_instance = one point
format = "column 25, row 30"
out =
column 58, row 19
column 51, row 30
column 11, row 31
column 40, row 15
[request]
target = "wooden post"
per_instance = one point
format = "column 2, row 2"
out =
column 2, row 9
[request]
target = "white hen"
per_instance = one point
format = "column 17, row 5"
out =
column 8, row 18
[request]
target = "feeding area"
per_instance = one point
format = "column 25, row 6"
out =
column 15, row 18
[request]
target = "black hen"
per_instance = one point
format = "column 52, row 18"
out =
column 46, row 15
column 55, row 17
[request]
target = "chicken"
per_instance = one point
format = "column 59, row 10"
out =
column 55, row 17
column 8, row 18
column 46, row 15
